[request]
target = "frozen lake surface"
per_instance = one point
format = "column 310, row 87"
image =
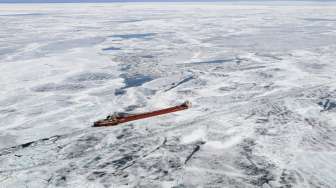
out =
column 262, row 80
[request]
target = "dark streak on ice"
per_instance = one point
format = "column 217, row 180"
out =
column 119, row 92
column 7, row 151
column 181, row 82
column 25, row 14
column 129, row 21
column 196, row 149
column 147, row 56
column 320, row 19
column 253, row 67
column 131, row 108
column 134, row 36
column 9, row 110
column 219, row 61
column 111, row 48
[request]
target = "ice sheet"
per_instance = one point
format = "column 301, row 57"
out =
column 261, row 79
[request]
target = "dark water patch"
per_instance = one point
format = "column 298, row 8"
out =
column 119, row 92
column 90, row 76
column 320, row 19
column 111, row 48
column 327, row 104
column 134, row 36
column 58, row 87
column 135, row 80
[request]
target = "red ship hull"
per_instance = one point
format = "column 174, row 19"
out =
column 115, row 120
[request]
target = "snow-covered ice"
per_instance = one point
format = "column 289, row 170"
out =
column 261, row 78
